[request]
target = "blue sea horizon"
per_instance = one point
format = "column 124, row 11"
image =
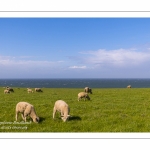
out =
column 77, row 82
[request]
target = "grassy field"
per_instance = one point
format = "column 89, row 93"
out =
column 109, row 110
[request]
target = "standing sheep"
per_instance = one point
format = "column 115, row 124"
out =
column 83, row 95
column 63, row 108
column 9, row 89
column 26, row 109
column 88, row 90
column 38, row 90
column 129, row 86
column 29, row 90
column 6, row 91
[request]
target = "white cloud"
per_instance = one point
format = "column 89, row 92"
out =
column 120, row 57
column 15, row 66
column 78, row 67
column 100, row 63
column 14, row 61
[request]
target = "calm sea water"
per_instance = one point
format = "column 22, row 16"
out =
column 75, row 83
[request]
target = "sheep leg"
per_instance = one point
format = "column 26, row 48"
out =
column 61, row 114
column 54, row 111
column 25, row 116
column 25, row 119
column 22, row 116
column 16, row 116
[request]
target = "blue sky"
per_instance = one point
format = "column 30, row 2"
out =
column 74, row 47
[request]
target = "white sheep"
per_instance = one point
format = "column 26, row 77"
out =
column 83, row 95
column 63, row 108
column 29, row 90
column 129, row 86
column 26, row 109
column 6, row 91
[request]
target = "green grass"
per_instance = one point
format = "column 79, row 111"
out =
column 109, row 110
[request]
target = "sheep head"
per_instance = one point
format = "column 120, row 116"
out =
column 65, row 118
column 36, row 119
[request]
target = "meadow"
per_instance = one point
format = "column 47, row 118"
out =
column 109, row 110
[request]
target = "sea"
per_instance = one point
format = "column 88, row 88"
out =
column 76, row 83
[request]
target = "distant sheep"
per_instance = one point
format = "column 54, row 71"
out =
column 129, row 86
column 88, row 90
column 26, row 109
column 29, row 90
column 38, row 90
column 10, row 89
column 83, row 95
column 63, row 108
column 6, row 91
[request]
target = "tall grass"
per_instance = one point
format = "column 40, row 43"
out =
column 109, row 110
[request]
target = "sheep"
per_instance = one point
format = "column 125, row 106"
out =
column 62, row 107
column 83, row 95
column 6, row 91
column 129, row 86
column 10, row 89
column 26, row 109
column 38, row 90
column 88, row 90
column 29, row 90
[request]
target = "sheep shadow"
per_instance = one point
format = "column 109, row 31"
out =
column 41, row 119
column 75, row 118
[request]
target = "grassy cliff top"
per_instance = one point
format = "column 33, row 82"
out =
column 109, row 110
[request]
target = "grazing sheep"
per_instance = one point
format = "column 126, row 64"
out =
column 63, row 108
column 129, row 86
column 38, row 90
column 26, row 109
column 10, row 89
column 83, row 95
column 88, row 90
column 29, row 90
column 6, row 91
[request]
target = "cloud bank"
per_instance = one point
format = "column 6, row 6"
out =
column 14, row 67
column 120, row 63
column 100, row 63
column 116, row 58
